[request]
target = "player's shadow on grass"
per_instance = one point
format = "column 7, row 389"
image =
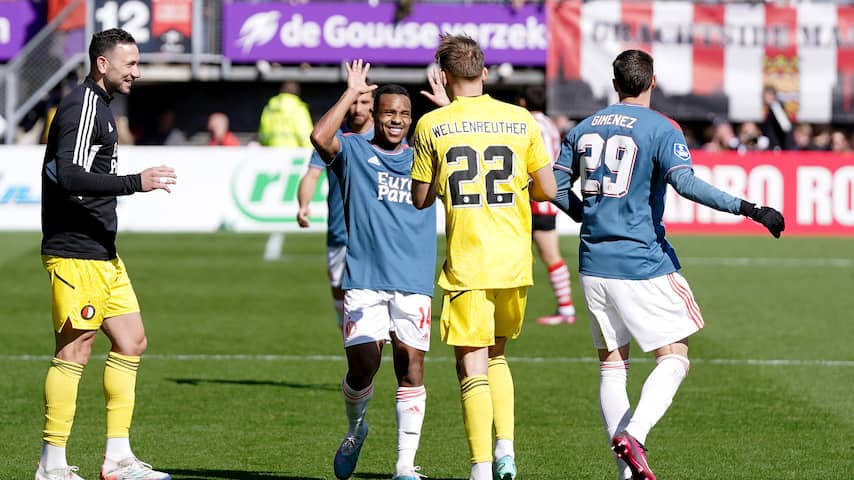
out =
column 336, row 387
column 178, row 474
column 370, row 475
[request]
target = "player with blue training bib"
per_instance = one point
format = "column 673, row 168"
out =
column 389, row 268
column 359, row 120
column 625, row 155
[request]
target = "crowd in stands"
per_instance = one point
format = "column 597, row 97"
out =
column 722, row 135
column 776, row 132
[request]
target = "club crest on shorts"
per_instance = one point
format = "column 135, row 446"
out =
column 349, row 328
column 87, row 312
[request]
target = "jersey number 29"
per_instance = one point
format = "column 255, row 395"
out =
column 618, row 153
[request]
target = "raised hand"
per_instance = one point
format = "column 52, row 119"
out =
column 437, row 93
column 357, row 76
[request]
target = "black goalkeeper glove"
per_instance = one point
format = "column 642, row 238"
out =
column 576, row 208
column 767, row 216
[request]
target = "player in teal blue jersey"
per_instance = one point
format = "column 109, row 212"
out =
column 390, row 265
column 625, row 155
column 359, row 120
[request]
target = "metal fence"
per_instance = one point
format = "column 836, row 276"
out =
column 42, row 64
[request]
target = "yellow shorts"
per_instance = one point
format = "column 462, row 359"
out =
column 88, row 291
column 473, row 318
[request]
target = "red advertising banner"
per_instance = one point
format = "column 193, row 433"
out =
column 813, row 190
column 172, row 15
column 158, row 26
column 76, row 20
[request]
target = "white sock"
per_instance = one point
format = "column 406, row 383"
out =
column 481, row 471
column 339, row 312
column 118, row 449
column 503, row 447
column 355, row 405
column 410, row 405
column 657, row 394
column 53, row 457
column 566, row 310
column 614, row 404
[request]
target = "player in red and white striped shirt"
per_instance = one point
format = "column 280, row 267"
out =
column 544, row 215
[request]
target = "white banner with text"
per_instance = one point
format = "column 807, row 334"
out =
column 254, row 189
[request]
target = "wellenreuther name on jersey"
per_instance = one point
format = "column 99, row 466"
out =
column 465, row 126
column 394, row 189
column 614, row 119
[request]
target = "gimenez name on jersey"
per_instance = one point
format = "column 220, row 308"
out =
column 394, row 189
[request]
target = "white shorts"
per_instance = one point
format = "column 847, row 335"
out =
column 655, row 312
column 371, row 315
column 335, row 261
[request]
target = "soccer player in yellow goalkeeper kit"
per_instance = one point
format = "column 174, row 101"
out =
column 478, row 154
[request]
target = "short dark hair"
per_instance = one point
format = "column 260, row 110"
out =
column 535, row 98
column 390, row 89
column 633, row 72
column 107, row 40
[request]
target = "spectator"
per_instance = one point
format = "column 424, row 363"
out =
column 220, row 133
column 166, row 133
column 723, row 137
column 403, row 9
column 822, row 138
column 802, row 137
column 839, row 142
column 285, row 120
column 777, row 127
column 750, row 138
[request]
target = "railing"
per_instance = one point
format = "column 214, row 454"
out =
column 193, row 50
column 39, row 67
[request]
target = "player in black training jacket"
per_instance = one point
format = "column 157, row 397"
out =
column 89, row 285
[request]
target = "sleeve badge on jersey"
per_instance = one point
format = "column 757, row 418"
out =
column 681, row 151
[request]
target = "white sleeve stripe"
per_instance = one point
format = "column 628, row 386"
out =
column 92, row 108
column 81, row 144
column 79, row 129
column 84, row 127
column 93, row 150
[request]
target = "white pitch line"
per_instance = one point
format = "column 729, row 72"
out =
column 544, row 360
column 770, row 261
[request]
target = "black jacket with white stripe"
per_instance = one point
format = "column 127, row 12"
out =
column 79, row 181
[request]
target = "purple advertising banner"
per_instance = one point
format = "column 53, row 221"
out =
column 17, row 25
column 330, row 32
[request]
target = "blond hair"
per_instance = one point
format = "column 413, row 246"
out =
column 460, row 56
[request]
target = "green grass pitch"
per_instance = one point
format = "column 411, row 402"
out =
column 241, row 379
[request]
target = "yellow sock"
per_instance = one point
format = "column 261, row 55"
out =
column 60, row 400
column 501, row 389
column 477, row 416
column 120, row 392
